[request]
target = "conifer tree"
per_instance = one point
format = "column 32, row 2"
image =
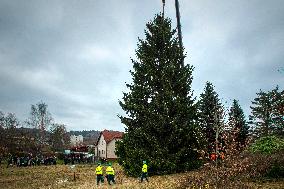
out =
column 277, row 100
column 161, row 116
column 238, row 124
column 267, row 116
column 261, row 116
column 211, row 114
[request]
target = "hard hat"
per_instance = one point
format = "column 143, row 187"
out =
column 144, row 162
column 109, row 163
column 99, row 163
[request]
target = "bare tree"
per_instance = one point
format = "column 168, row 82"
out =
column 2, row 132
column 9, row 138
column 59, row 138
column 40, row 119
column 219, row 125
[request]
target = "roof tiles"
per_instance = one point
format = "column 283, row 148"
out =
column 110, row 135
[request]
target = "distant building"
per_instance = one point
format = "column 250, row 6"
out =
column 76, row 140
column 105, row 146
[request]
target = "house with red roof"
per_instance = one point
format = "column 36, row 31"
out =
column 105, row 147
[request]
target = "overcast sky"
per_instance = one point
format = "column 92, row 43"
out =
column 74, row 55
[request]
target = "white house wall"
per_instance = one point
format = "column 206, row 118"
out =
column 111, row 149
column 102, row 147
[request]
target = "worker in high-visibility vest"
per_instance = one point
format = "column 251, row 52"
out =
column 144, row 172
column 110, row 174
column 99, row 173
column 206, row 186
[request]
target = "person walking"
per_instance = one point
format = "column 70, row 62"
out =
column 144, row 172
column 110, row 174
column 99, row 173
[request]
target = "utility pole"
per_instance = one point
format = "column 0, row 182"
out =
column 178, row 25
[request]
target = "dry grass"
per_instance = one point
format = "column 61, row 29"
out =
column 61, row 176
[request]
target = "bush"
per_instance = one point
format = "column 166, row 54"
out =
column 238, row 171
column 277, row 171
column 60, row 162
column 267, row 145
column 60, row 156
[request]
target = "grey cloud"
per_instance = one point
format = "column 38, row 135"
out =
column 75, row 55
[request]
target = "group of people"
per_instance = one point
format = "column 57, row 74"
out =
column 29, row 160
column 110, row 173
column 220, row 156
column 77, row 159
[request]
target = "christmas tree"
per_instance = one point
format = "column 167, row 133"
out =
column 161, row 116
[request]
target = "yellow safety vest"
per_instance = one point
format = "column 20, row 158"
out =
column 99, row 170
column 109, row 170
column 144, row 168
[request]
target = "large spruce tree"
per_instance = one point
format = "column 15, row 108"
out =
column 211, row 115
column 160, row 118
column 238, row 124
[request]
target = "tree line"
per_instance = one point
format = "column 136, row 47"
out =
column 167, row 126
column 38, row 134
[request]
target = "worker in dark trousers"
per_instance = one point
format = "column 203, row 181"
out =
column 144, row 172
column 110, row 174
column 99, row 173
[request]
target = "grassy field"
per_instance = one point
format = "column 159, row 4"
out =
column 61, row 176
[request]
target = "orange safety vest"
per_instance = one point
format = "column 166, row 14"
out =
column 213, row 156
column 222, row 155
